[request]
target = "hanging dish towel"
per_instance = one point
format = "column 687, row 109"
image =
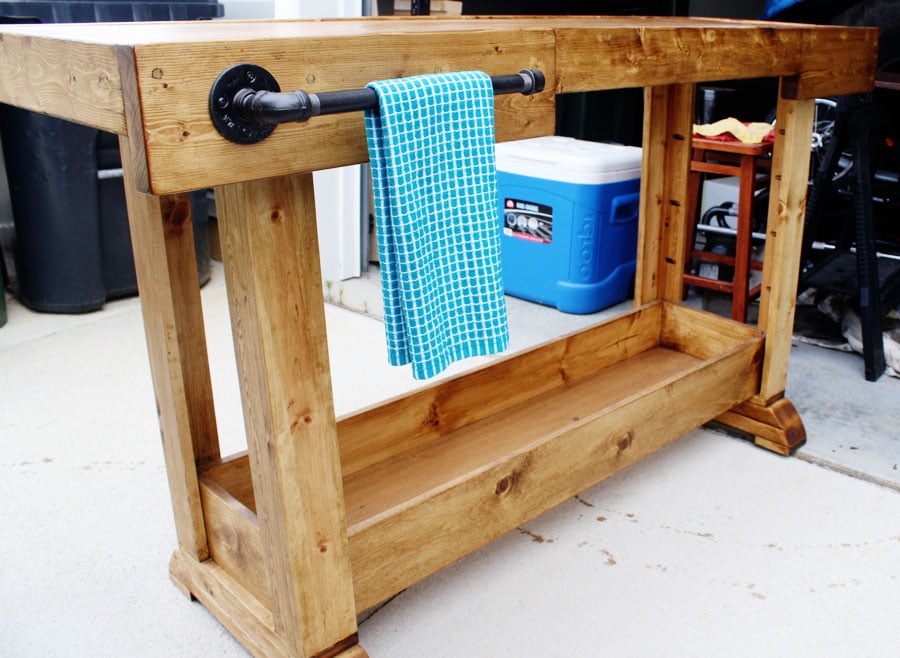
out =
column 431, row 146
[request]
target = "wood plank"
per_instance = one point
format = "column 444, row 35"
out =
column 354, row 652
column 464, row 445
column 134, row 131
column 784, row 237
column 652, row 196
column 177, row 63
column 655, row 53
column 271, row 262
column 82, row 86
column 233, row 475
column 701, row 334
column 235, row 541
column 434, row 465
column 181, row 33
column 769, row 416
column 241, row 613
column 715, row 168
column 735, row 148
column 677, row 172
column 166, row 266
column 236, row 609
column 393, row 427
column 407, row 499
column 184, row 150
column 404, row 544
column 835, row 61
column 665, row 172
column 776, row 427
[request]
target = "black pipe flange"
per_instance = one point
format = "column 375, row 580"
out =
column 225, row 108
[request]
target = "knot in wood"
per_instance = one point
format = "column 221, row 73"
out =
column 434, row 415
column 176, row 215
column 507, row 483
column 306, row 419
column 504, row 485
column 625, row 442
column 709, row 36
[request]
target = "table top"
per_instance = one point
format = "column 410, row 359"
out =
column 136, row 33
column 152, row 81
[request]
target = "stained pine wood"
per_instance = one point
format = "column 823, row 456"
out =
column 519, row 485
column 69, row 80
column 236, row 608
column 835, row 61
column 521, row 458
column 776, row 427
column 324, row 517
column 163, row 241
column 232, row 474
column 235, row 540
column 274, row 288
column 784, row 239
column 665, row 171
column 770, row 417
column 632, row 56
column 701, row 334
column 396, row 426
column 175, row 65
column 354, row 652
column 167, row 78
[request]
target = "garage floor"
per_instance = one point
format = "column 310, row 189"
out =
column 710, row 547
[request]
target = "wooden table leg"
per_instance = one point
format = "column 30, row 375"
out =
column 665, row 173
column 695, row 186
column 740, row 286
column 274, row 283
column 769, row 416
column 165, row 262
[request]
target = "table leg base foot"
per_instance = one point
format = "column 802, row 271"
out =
column 776, row 426
column 246, row 617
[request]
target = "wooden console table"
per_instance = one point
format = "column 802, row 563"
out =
column 325, row 517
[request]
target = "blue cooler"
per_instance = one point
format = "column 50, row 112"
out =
column 569, row 211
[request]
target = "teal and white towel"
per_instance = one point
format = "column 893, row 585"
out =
column 431, row 146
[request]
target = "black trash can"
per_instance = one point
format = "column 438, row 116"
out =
column 72, row 248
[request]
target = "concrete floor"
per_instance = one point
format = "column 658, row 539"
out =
column 710, row 547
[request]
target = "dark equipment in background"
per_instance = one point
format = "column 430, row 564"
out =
column 72, row 246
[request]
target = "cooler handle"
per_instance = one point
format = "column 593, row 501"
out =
column 625, row 208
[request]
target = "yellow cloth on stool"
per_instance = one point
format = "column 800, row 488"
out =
column 750, row 133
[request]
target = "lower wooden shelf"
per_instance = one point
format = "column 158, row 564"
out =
column 435, row 475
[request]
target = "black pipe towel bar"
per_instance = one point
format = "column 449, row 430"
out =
column 246, row 102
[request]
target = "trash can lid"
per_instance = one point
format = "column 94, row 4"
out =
column 107, row 11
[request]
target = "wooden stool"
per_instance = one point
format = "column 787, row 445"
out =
column 731, row 159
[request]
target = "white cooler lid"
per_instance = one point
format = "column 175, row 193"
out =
column 569, row 160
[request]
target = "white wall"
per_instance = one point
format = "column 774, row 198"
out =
column 317, row 8
column 235, row 9
column 337, row 190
